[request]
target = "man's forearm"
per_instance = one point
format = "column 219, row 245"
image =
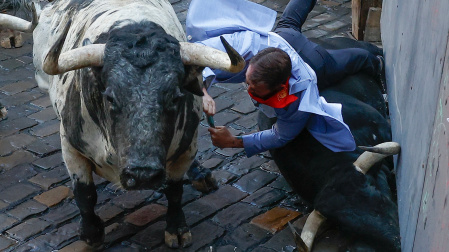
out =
column 261, row 141
column 237, row 142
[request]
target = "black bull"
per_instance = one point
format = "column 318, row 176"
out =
column 358, row 203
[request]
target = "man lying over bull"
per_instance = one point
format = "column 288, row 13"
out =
column 283, row 77
column 283, row 72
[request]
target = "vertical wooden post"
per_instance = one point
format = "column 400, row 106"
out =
column 360, row 9
column 372, row 28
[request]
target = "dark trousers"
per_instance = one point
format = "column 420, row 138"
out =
column 330, row 65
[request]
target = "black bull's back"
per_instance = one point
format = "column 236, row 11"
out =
column 358, row 203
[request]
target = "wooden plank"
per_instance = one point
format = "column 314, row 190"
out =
column 372, row 28
column 356, row 31
column 415, row 38
column 433, row 221
column 360, row 10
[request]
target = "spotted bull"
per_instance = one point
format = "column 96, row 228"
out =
column 351, row 189
column 126, row 88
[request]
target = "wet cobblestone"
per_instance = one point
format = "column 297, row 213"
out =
column 235, row 214
column 146, row 214
column 246, row 236
column 27, row 209
column 47, row 179
column 28, row 228
column 152, row 236
column 31, row 167
column 49, row 162
column 6, row 243
column 60, row 214
column 6, row 222
column 205, row 233
column 254, row 181
column 18, row 192
column 265, row 197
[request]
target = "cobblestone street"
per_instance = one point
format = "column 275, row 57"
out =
column 248, row 212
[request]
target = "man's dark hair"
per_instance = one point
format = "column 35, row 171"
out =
column 271, row 66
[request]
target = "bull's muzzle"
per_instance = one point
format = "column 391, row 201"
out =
column 138, row 177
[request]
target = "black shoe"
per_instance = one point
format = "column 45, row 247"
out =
column 381, row 75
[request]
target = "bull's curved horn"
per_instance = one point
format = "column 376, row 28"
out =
column 304, row 242
column 200, row 55
column 93, row 55
column 86, row 56
column 19, row 24
column 369, row 158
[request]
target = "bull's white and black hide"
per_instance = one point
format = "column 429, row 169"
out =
column 358, row 203
column 131, row 120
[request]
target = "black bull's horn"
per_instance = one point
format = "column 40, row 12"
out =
column 18, row 24
column 374, row 154
column 92, row 55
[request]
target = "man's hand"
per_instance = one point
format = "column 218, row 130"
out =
column 208, row 103
column 222, row 138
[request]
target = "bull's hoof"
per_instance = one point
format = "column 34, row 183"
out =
column 92, row 232
column 178, row 240
column 3, row 113
column 10, row 39
column 96, row 246
column 206, row 184
column 201, row 178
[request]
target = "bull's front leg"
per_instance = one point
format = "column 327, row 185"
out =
column 80, row 170
column 177, row 233
column 91, row 229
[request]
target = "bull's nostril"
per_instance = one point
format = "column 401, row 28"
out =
column 139, row 176
column 131, row 182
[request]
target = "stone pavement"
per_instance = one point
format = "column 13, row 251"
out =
column 248, row 212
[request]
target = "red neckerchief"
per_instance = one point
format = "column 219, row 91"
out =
column 279, row 100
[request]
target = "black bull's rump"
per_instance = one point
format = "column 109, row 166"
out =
column 361, row 204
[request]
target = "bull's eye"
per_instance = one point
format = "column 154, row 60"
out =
column 109, row 99
column 109, row 95
column 112, row 103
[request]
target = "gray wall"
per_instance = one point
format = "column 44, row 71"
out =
column 415, row 36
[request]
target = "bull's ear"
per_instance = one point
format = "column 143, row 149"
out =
column 193, row 81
